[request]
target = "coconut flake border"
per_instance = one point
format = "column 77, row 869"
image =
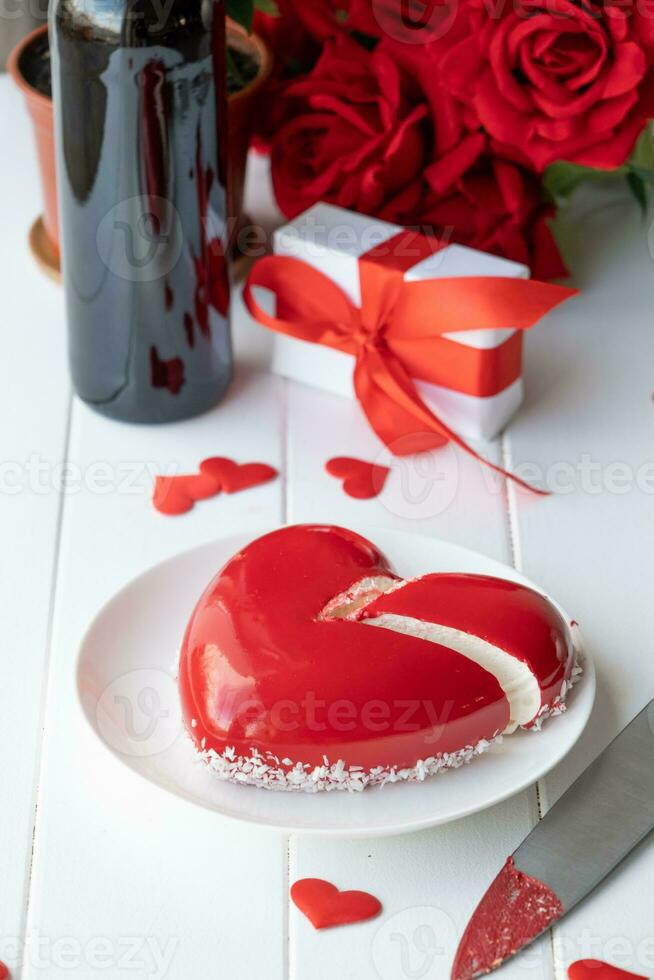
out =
column 284, row 775
column 269, row 772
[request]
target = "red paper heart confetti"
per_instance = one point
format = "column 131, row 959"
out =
column 325, row 906
column 597, row 970
column 4, row 971
column 174, row 495
column 233, row 477
column 361, row 480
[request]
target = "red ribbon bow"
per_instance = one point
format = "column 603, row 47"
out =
column 396, row 318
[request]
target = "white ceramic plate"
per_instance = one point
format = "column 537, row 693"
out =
column 126, row 681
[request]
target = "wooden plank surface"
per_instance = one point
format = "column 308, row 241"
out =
column 33, row 428
column 126, row 860
column 429, row 883
column 588, row 425
column 125, row 877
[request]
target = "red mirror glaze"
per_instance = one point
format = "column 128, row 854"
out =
column 260, row 670
column 515, row 619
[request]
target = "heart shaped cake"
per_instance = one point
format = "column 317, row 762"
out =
column 309, row 664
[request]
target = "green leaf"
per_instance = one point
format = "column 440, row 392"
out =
column 647, row 176
column 643, row 155
column 242, row 11
column 267, row 7
column 640, row 169
column 638, row 188
column 561, row 178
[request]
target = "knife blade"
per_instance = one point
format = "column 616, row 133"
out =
column 585, row 835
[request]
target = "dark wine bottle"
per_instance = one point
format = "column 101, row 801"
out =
column 140, row 95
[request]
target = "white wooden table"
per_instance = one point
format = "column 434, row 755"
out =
column 102, row 874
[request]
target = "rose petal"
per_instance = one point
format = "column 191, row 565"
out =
column 357, row 118
column 564, row 106
column 388, row 79
column 628, row 69
column 557, row 130
column 513, row 189
column 606, row 154
column 442, row 174
column 546, row 261
column 460, row 68
column 502, row 65
column 501, row 119
column 607, row 116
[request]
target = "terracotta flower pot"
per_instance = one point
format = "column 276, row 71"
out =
column 21, row 66
column 242, row 106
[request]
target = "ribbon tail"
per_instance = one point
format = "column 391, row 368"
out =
column 399, row 416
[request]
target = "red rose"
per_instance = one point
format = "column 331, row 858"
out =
column 450, row 118
column 326, row 19
column 286, row 35
column 413, row 21
column 361, row 17
column 295, row 51
column 323, row 19
column 357, row 134
column 553, row 79
column 478, row 199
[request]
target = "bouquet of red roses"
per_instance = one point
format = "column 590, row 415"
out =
column 464, row 118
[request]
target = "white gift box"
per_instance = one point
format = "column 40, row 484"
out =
column 333, row 240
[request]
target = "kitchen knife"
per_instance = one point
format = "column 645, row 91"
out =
column 594, row 825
